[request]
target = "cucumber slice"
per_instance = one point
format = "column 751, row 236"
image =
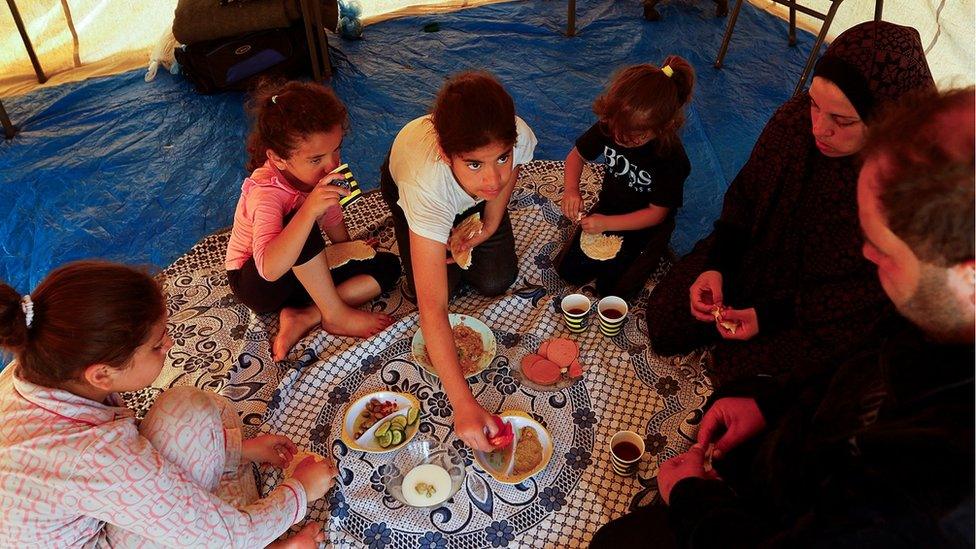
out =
column 413, row 415
column 382, row 429
column 398, row 422
column 396, row 437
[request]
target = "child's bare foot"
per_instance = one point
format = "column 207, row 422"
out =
column 355, row 323
column 293, row 324
column 308, row 537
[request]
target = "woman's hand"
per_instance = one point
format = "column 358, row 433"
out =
column 324, row 196
column 571, row 203
column 474, row 425
column 596, row 223
column 730, row 422
column 706, row 294
column 318, row 477
column 274, row 450
column 745, row 322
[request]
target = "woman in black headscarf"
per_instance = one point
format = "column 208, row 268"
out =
column 783, row 267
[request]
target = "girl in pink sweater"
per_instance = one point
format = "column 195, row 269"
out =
column 276, row 255
column 78, row 470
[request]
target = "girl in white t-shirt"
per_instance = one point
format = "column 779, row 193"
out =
column 460, row 159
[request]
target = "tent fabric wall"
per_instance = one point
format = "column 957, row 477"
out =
column 117, row 35
column 113, row 36
column 946, row 28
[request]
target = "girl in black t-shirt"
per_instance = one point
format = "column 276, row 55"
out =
column 639, row 115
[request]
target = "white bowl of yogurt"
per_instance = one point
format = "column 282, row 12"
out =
column 425, row 474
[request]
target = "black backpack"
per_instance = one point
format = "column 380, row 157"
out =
column 232, row 63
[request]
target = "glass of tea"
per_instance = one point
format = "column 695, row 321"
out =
column 626, row 451
column 576, row 312
column 613, row 315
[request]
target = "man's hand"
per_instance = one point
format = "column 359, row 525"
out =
column 730, row 422
column 744, row 321
column 474, row 425
column 274, row 450
column 686, row 465
column 706, row 294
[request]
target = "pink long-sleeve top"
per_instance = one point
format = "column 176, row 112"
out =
column 69, row 465
column 266, row 198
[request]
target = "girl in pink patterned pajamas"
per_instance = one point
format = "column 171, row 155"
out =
column 77, row 471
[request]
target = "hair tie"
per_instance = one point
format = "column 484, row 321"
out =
column 274, row 99
column 667, row 70
column 27, row 306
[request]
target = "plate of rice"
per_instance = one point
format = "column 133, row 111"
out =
column 475, row 343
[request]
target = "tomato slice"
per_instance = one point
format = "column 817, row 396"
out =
column 505, row 435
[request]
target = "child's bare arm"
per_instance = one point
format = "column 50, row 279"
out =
column 572, row 201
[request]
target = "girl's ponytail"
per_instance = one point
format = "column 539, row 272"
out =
column 13, row 320
column 682, row 75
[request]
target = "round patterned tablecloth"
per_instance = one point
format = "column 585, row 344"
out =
column 625, row 386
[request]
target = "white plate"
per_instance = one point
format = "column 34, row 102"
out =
column 367, row 443
column 518, row 419
column 487, row 340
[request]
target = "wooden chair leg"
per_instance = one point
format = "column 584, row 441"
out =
column 8, row 127
column 728, row 34
column 878, row 9
column 571, row 18
column 792, row 24
column 310, row 36
column 816, row 47
column 322, row 41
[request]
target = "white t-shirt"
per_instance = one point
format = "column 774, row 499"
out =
column 429, row 195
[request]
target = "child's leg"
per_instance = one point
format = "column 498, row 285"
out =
column 338, row 318
column 572, row 265
column 262, row 296
column 391, row 194
column 494, row 264
column 360, row 281
column 640, row 257
column 200, row 433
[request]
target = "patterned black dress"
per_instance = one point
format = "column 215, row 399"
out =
column 788, row 241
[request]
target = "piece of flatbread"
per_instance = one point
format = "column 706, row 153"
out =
column 601, row 247
column 465, row 230
column 344, row 252
column 300, row 456
column 728, row 325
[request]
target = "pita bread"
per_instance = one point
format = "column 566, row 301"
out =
column 465, row 230
column 354, row 250
column 728, row 325
column 601, row 247
column 300, row 456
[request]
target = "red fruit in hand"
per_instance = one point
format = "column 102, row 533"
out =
column 505, row 435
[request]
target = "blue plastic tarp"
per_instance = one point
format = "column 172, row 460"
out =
column 138, row 172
